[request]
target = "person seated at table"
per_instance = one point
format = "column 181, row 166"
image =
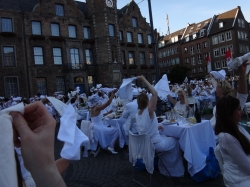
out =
column 106, row 135
column 182, row 104
column 111, row 107
column 146, row 123
column 234, row 142
column 223, row 88
column 129, row 112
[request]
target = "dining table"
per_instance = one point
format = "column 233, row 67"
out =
column 194, row 140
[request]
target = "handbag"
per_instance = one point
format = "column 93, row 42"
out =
column 210, row 171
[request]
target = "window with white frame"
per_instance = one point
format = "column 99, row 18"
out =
column 194, row 35
column 38, row 55
column 200, row 69
column 215, row 39
column 121, row 35
column 6, row 25
column 74, row 58
column 222, row 51
column 202, row 32
column 173, row 61
column 191, row 49
column 187, row 38
column 199, row 59
column 151, row 58
column 9, row 59
column 193, row 60
column 185, row 49
column 230, row 47
column 167, row 52
column 59, row 9
column 142, row 58
column 149, row 39
column 221, row 24
column 86, row 33
column 134, row 22
column 164, row 53
column 224, row 64
column 89, row 56
column 239, row 22
column 217, row 65
column 193, row 70
column 198, row 47
column 171, row 51
column 41, row 85
column 140, row 38
column 239, row 35
column 55, row 29
column 11, row 86
column 186, row 60
column 111, row 30
column 57, row 56
column 176, row 50
column 216, row 52
column 36, row 27
column 72, row 31
column 131, row 58
column 243, row 23
column 205, row 55
column 129, row 37
column 242, row 35
column 204, row 44
column 177, row 60
column 60, row 84
column 221, row 37
column 228, row 35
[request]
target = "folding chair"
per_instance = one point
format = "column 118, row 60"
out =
column 141, row 147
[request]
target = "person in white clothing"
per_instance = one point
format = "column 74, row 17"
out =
column 146, row 123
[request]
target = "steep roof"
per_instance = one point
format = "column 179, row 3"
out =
column 227, row 18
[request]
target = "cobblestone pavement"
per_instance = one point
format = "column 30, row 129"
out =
column 109, row 170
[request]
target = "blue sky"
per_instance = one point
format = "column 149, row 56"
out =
column 181, row 12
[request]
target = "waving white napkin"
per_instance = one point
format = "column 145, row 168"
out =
column 59, row 105
column 71, row 135
column 8, row 173
column 234, row 64
column 162, row 87
column 126, row 91
column 221, row 75
column 107, row 90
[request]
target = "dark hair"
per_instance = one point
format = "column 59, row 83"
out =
column 225, row 122
column 189, row 91
column 73, row 100
column 142, row 101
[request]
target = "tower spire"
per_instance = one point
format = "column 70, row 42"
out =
column 168, row 32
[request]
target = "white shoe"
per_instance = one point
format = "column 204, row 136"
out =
column 112, row 150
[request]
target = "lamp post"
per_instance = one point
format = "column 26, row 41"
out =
column 153, row 42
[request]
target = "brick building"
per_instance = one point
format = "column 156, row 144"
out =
column 52, row 45
column 191, row 45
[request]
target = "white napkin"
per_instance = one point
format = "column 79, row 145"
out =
column 126, row 91
column 234, row 64
column 58, row 105
column 221, row 75
column 71, row 135
column 8, row 173
column 107, row 90
column 162, row 87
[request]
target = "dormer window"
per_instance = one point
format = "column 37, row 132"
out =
column 194, row 35
column 202, row 32
column 220, row 24
column 205, row 23
column 198, row 26
column 191, row 29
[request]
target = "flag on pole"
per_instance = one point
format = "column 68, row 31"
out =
column 228, row 55
column 208, row 59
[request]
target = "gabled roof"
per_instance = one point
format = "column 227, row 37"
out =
column 15, row 5
column 167, row 38
column 227, row 18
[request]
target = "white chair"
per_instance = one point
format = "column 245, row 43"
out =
column 218, row 156
column 141, row 147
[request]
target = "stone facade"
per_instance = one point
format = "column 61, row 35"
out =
column 59, row 45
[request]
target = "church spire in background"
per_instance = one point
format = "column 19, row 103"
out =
column 168, row 32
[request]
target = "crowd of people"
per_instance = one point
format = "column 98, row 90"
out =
column 35, row 128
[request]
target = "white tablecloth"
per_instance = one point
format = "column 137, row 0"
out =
column 194, row 141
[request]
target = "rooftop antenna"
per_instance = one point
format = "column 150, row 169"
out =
column 168, row 32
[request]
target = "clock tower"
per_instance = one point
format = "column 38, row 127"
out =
column 103, row 15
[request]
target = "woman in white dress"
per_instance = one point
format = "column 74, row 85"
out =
column 181, row 105
column 146, row 123
column 106, row 135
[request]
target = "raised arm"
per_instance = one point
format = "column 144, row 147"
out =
column 242, row 83
column 103, row 106
column 171, row 99
column 153, row 101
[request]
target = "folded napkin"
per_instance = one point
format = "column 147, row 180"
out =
column 126, row 91
column 162, row 87
column 8, row 173
column 71, row 135
column 234, row 64
column 221, row 75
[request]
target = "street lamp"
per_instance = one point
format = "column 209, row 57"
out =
column 153, row 42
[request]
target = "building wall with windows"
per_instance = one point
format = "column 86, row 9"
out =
column 59, row 45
